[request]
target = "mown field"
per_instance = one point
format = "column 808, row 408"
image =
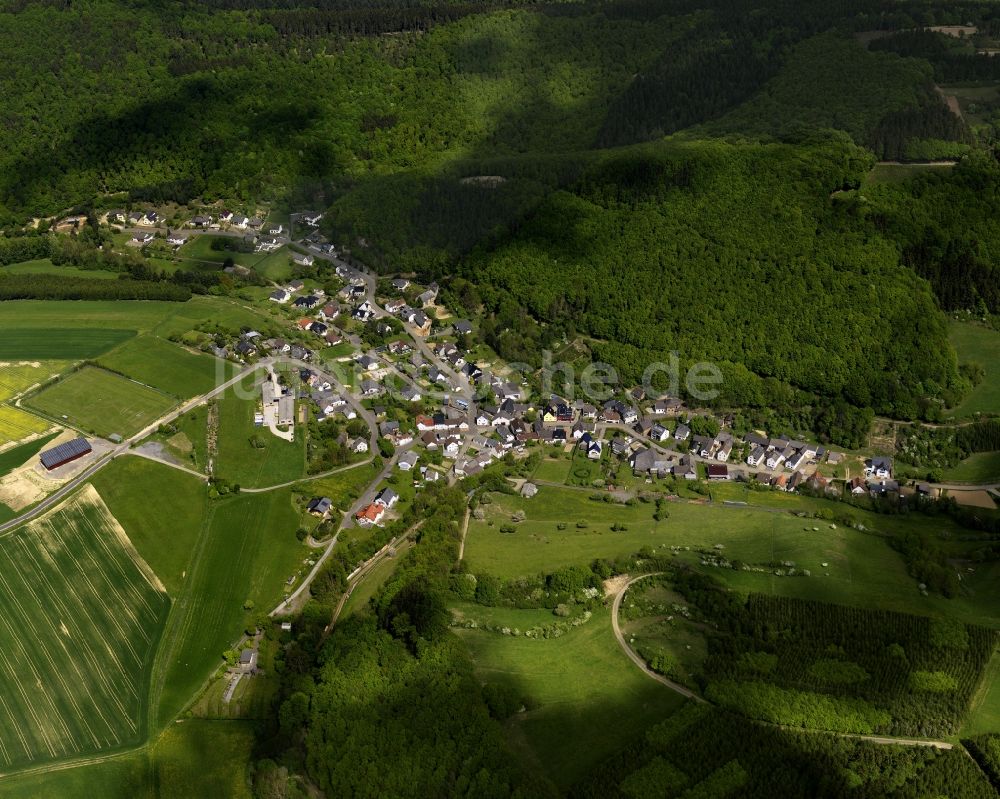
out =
column 246, row 553
column 16, row 424
column 197, row 758
column 166, row 366
column 102, row 402
column 44, row 266
column 82, row 616
column 278, row 461
column 861, row 568
column 982, row 345
column 161, row 509
column 581, row 682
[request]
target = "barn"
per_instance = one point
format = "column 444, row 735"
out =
column 64, row 453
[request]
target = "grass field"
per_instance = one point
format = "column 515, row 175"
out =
column 81, row 620
column 276, row 266
column 861, row 568
column 585, row 698
column 553, row 470
column 343, row 487
column 160, row 508
column 16, row 424
column 985, row 711
column 247, row 552
column 194, row 759
column 167, row 366
column 44, row 266
column 101, row 402
column 982, row 345
column 983, row 467
column 18, row 456
column 900, row 173
column 279, row 461
column 17, row 376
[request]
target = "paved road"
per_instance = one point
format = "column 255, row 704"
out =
column 673, row 686
column 60, row 493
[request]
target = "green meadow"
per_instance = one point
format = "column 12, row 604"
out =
column 44, row 266
column 196, row 758
column 861, row 568
column 246, row 552
column 167, row 366
column 584, row 699
column 101, row 402
column 980, row 344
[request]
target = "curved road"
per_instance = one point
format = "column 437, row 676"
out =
column 876, row 739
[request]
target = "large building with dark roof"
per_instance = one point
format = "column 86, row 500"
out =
column 64, row 453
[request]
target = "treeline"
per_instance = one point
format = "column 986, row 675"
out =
column 919, row 673
column 689, row 752
column 389, row 703
column 58, row 287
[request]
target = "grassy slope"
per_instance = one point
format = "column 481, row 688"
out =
column 985, row 713
column 247, row 552
column 160, row 508
column 862, row 568
column 586, row 700
column 983, row 467
column 167, row 366
column 102, row 402
column 982, row 345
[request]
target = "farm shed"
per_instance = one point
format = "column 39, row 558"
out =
column 64, row 453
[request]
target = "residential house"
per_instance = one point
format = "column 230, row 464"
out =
column 682, row 433
column 879, row 467
column 718, row 471
column 407, row 461
column 240, row 221
column 400, row 284
column 463, row 327
column 756, row 456
column 319, row 506
column 141, row 239
column 386, row 497
column 176, row 239
column 300, row 259
column 311, row 218
column 370, row 515
column 279, row 296
column 659, row 433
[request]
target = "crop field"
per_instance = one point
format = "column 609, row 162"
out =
column 277, row 461
column 16, row 424
column 17, row 376
column 166, row 366
column 247, row 553
column 194, row 759
column 66, row 343
column 982, row 345
column 82, row 617
column 860, row 568
column 581, row 681
column 17, row 456
column 101, row 402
